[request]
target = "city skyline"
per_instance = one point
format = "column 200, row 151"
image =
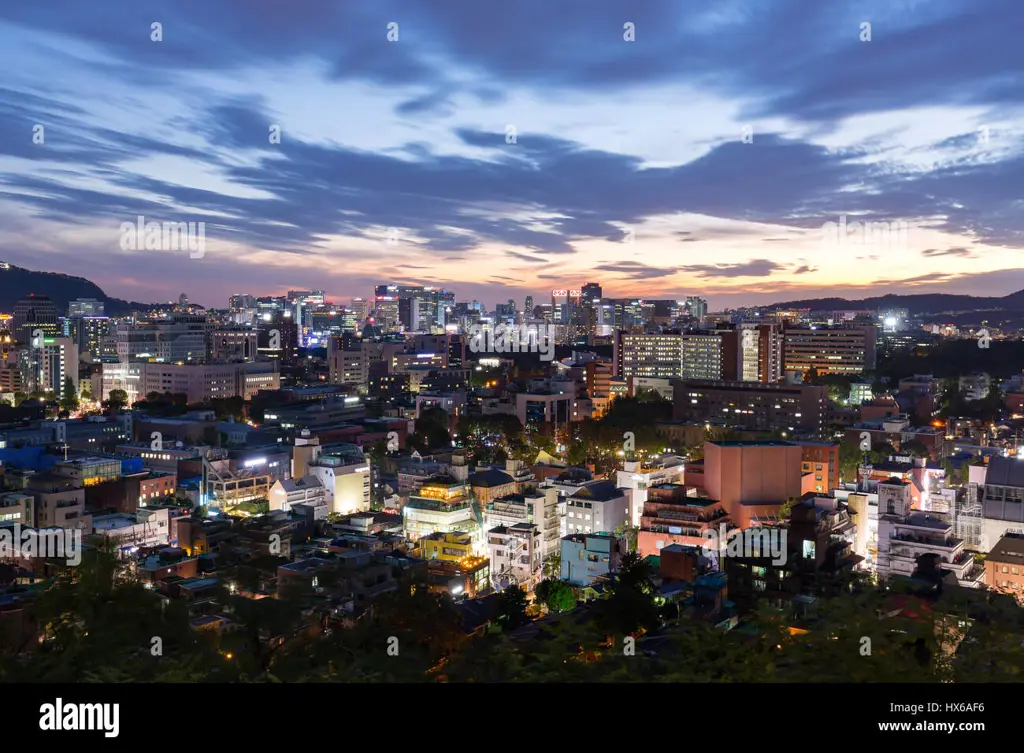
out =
column 506, row 151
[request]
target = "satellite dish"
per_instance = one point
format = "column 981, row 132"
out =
column 178, row 444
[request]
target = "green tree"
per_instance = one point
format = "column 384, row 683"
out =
column 511, row 609
column 630, row 607
column 850, row 459
column 557, row 595
column 68, row 396
column 117, row 400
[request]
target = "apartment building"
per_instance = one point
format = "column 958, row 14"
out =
column 821, row 464
column 516, row 555
column 305, row 490
column 539, row 507
column 145, row 528
column 597, row 507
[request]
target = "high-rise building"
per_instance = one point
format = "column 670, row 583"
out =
column 659, row 356
column 590, row 293
column 709, row 355
column 228, row 344
column 36, row 312
column 89, row 333
column 179, row 338
column 45, row 365
column 360, row 308
column 760, row 353
column 830, row 350
column 241, row 302
column 696, row 307
column 278, row 336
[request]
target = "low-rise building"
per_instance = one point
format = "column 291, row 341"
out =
column 515, row 554
column 146, row 528
column 904, row 536
column 597, row 507
column 1004, row 566
column 453, row 547
column 586, row 557
column 308, row 490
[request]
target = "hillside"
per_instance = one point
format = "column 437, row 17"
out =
column 929, row 303
column 17, row 282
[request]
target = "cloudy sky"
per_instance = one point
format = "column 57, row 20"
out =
column 499, row 148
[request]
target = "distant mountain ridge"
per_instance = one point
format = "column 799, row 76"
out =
column 17, row 283
column 927, row 303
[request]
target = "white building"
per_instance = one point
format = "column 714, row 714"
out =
column 146, row 528
column 904, row 536
column 200, row 382
column 598, row 507
column 293, row 491
column 638, row 477
column 540, row 507
column 516, row 556
column 346, row 482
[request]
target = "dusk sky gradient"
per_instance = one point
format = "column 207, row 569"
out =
column 629, row 167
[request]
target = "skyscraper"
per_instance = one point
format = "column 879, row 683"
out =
column 32, row 313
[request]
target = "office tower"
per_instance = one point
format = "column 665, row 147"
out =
column 760, row 353
column 654, row 356
column 241, row 302
column 232, row 344
column 830, row 350
column 89, row 333
column 709, row 355
column 180, row 337
column 278, row 336
column 183, row 301
column 32, row 313
column 696, row 307
column 385, row 307
column 528, row 307
column 360, row 308
column 85, row 307
column 44, row 366
column 307, row 297
column 591, row 292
